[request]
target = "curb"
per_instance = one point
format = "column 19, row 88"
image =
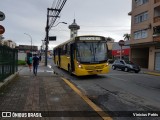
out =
column 8, row 80
column 152, row 73
column 96, row 108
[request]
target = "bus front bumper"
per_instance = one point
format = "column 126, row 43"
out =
column 83, row 72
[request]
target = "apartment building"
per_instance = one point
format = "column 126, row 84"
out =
column 9, row 43
column 145, row 33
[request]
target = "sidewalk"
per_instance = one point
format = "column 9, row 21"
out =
column 46, row 92
column 150, row 72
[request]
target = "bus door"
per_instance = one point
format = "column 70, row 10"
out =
column 54, row 55
column 72, row 56
column 59, row 57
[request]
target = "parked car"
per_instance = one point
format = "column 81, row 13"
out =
column 126, row 66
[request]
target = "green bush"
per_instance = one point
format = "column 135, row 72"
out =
column 21, row 62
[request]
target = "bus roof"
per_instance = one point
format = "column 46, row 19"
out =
column 73, row 39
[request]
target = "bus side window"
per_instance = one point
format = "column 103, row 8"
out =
column 66, row 49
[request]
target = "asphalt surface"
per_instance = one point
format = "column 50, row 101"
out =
column 120, row 91
column 116, row 93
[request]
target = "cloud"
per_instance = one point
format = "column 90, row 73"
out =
column 100, row 17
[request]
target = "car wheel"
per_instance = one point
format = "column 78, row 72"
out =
column 113, row 67
column 122, row 69
column 126, row 69
column 137, row 71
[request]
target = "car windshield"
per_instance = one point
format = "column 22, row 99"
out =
column 91, row 52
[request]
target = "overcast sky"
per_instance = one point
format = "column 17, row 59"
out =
column 108, row 18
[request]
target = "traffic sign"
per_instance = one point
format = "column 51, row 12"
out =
column 121, row 43
column 2, row 29
column 2, row 16
column 52, row 38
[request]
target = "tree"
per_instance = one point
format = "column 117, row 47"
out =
column 109, row 39
column 127, row 36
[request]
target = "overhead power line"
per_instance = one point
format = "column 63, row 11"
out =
column 57, row 6
column 52, row 13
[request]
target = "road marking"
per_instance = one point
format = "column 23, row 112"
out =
column 90, row 103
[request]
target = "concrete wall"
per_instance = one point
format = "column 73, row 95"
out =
column 140, row 56
column 151, row 58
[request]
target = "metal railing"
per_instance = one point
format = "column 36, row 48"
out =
column 8, row 62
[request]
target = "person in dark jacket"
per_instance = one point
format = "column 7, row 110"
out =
column 35, row 64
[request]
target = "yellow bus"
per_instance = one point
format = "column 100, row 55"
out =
column 83, row 55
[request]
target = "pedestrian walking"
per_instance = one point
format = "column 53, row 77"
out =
column 35, row 64
column 29, row 62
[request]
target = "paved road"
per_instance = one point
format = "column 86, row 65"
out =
column 120, row 91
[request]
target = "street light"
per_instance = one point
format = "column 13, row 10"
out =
column 59, row 23
column 31, row 40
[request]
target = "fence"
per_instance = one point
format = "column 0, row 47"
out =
column 8, row 62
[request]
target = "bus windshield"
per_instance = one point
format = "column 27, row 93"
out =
column 91, row 52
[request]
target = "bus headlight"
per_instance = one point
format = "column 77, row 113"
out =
column 79, row 65
column 107, row 64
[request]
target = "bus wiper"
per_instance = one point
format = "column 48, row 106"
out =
column 78, row 53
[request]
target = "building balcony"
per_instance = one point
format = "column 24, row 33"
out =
column 156, row 34
column 156, row 1
column 157, row 14
column 156, row 38
column 156, row 19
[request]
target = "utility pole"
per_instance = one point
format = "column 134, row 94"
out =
column 47, row 34
column 55, row 14
column 47, row 31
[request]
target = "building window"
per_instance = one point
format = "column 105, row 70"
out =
column 141, row 17
column 141, row 34
column 141, row 2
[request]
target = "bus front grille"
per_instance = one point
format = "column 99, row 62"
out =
column 94, row 67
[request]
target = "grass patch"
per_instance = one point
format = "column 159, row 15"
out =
column 21, row 62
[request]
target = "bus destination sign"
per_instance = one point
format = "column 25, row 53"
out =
column 90, row 38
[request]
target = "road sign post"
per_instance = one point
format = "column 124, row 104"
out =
column 2, row 29
column 2, row 16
